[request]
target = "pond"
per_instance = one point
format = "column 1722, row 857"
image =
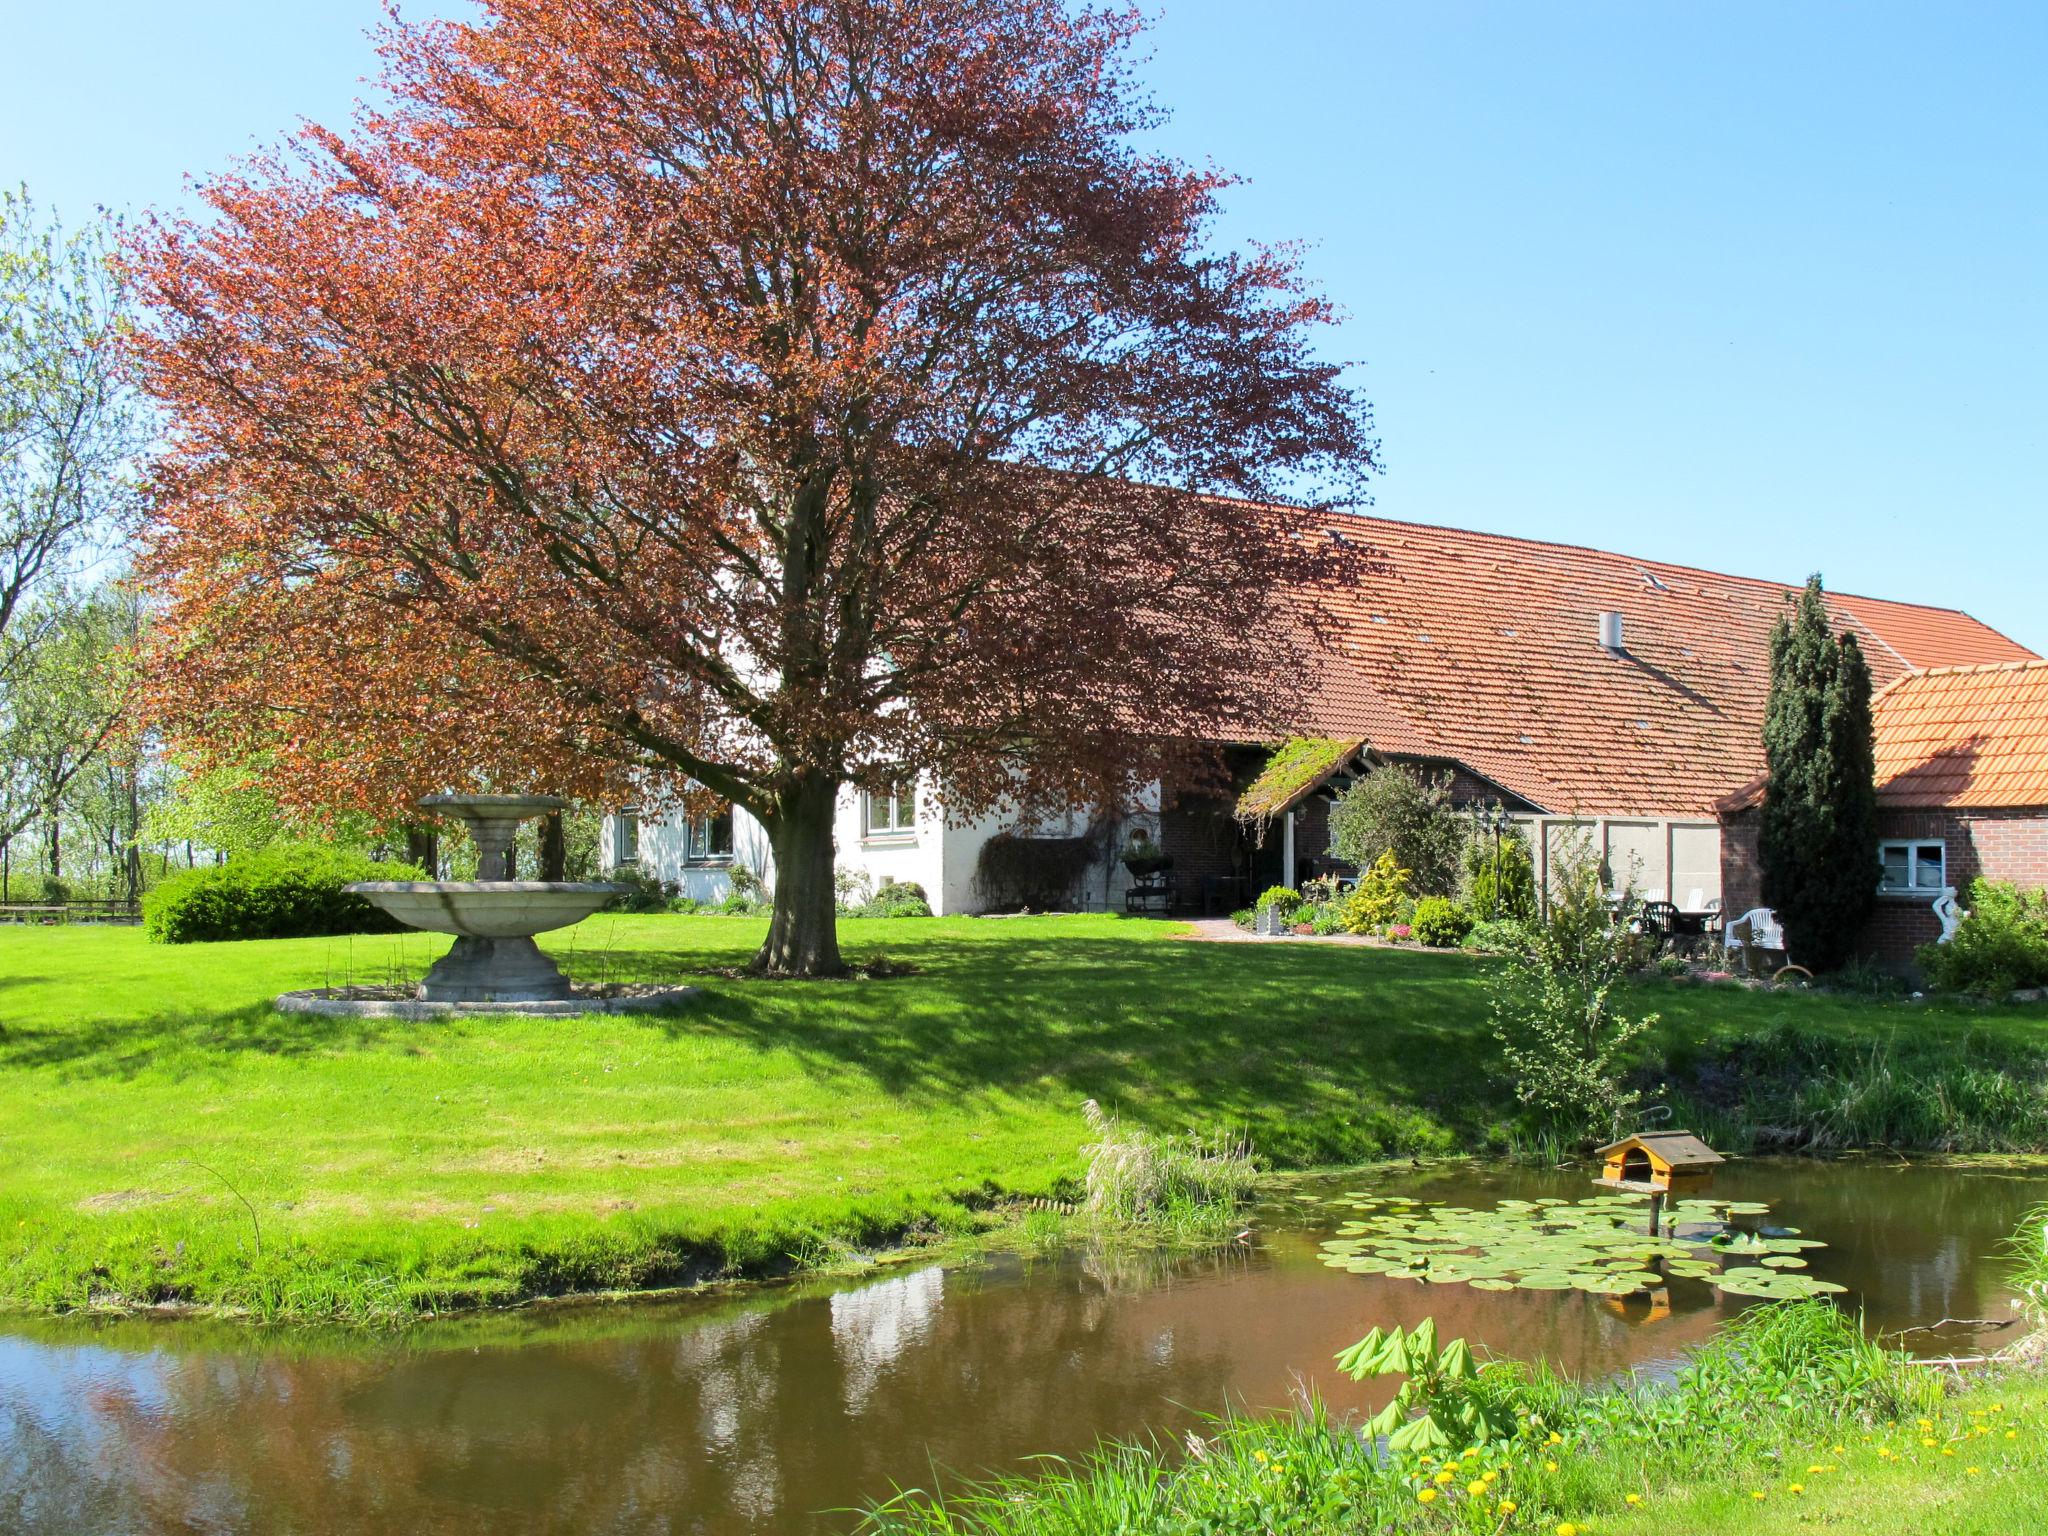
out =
column 766, row 1412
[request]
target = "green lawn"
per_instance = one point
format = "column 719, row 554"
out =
column 391, row 1164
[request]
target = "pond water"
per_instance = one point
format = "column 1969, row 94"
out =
column 766, row 1412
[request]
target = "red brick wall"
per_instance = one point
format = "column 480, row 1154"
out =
column 2005, row 844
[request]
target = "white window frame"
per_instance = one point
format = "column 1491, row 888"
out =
column 901, row 823
column 1913, row 847
column 626, row 836
column 697, row 847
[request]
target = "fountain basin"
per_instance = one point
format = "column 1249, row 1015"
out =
column 487, row 909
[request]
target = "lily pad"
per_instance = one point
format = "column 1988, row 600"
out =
column 1597, row 1244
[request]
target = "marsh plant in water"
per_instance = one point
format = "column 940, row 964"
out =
column 1600, row 1244
column 1192, row 1186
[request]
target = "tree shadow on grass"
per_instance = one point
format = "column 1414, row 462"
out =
column 126, row 1048
column 1335, row 1052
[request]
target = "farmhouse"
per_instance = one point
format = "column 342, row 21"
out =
column 1587, row 693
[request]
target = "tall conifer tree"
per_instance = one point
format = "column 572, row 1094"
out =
column 1818, row 841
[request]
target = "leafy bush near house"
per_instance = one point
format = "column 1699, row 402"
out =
column 2000, row 947
column 1377, row 900
column 644, row 891
column 287, row 891
column 1326, row 917
column 1285, row 901
column 1440, row 922
column 1395, row 811
column 1498, row 936
column 1499, row 882
column 897, row 899
column 1244, row 917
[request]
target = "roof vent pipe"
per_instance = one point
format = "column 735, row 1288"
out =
column 1610, row 631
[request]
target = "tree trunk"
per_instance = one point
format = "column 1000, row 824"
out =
column 56, row 850
column 423, row 848
column 554, row 847
column 803, row 933
column 131, row 852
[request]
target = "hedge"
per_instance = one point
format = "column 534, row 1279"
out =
column 288, row 892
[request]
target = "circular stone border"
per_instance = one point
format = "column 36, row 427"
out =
column 328, row 1002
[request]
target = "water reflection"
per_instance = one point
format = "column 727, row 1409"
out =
column 754, row 1414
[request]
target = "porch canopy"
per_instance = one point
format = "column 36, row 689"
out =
column 1299, row 767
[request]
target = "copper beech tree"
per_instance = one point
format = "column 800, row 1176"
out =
column 735, row 399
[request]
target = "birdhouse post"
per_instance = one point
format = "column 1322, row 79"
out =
column 1658, row 1164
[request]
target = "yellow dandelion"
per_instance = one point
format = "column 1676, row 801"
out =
column 1970, row 1471
column 1426, row 1496
column 1490, row 1479
column 1631, row 1499
column 1948, row 1450
column 1507, row 1506
column 2012, row 1434
column 1446, row 1475
column 1758, row 1495
column 1928, row 1441
column 1567, row 1529
column 1555, row 1439
column 1475, row 1487
column 1795, row 1487
column 1926, row 1423
column 1550, row 1466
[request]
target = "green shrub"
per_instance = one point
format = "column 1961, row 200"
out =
column 2001, row 946
column 643, row 890
column 1326, row 917
column 1440, row 922
column 1244, row 917
column 1377, row 900
column 1500, row 936
column 1566, row 1045
column 904, row 898
column 1500, row 883
column 287, row 891
column 1284, row 897
column 1399, row 811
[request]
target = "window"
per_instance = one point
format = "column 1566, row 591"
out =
column 626, row 837
column 1913, row 866
column 710, row 838
column 892, row 812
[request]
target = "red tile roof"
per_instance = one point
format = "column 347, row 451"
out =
column 1483, row 649
column 1964, row 736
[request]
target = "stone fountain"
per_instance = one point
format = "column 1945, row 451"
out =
column 494, row 966
column 494, row 958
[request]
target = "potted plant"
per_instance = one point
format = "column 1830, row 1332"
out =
column 1143, row 857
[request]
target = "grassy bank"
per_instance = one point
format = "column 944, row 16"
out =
column 1787, row 1419
column 165, row 1135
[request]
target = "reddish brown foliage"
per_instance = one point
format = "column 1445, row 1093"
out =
column 755, row 393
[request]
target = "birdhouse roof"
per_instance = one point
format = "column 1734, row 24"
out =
column 1677, row 1149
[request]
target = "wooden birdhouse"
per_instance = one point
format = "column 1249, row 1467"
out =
column 1659, row 1163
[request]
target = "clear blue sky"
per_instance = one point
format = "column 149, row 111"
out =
column 1757, row 286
